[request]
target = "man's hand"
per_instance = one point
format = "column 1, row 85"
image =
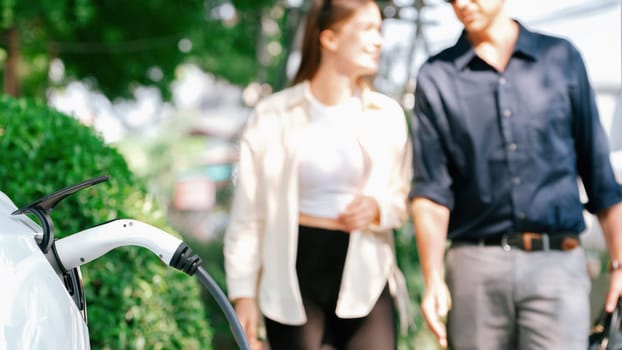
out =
column 615, row 290
column 435, row 305
column 248, row 314
column 611, row 222
column 362, row 211
column 430, row 221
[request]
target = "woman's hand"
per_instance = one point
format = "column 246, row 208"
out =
column 248, row 314
column 362, row 211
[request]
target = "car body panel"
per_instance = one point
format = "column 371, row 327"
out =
column 36, row 311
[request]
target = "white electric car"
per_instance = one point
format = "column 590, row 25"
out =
column 36, row 309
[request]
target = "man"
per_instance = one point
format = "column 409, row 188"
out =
column 505, row 122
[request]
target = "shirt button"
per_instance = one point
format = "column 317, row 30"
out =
column 507, row 113
column 502, row 81
column 513, row 147
column 521, row 215
column 516, row 180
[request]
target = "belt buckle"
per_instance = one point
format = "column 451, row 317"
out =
column 505, row 244
column 546, row 245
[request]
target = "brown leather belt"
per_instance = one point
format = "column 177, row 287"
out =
column 527, row 241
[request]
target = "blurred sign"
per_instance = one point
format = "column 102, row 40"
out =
column 194, row 194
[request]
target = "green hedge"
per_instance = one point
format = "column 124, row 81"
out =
column 134, row 301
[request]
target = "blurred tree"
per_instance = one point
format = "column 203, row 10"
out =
column 117, row 45
column 25, row 25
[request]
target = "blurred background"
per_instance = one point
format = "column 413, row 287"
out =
column 169, row 85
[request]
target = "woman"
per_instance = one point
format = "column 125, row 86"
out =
column 324, row 174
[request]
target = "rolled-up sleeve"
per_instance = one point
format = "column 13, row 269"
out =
column 392, row 200
column 431, row 178
column 591, row 143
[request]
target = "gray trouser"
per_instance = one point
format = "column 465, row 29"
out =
column 517, row 300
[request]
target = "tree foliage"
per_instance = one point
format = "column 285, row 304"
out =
column 118, row 45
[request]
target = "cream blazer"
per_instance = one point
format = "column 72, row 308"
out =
column 261, row 240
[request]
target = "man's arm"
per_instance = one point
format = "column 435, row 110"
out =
column 431, row 221
column 611, row 222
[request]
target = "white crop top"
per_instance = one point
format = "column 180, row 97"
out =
column 331, row 163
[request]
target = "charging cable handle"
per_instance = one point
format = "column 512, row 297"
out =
column 88, row 245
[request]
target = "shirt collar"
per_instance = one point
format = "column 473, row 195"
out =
column 526, row 45
column 301, row 94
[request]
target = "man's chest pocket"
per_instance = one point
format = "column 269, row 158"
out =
column 550, row 125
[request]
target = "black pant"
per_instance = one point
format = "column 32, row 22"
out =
column 319, row 265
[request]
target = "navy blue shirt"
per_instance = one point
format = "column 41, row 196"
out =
column 504, row 150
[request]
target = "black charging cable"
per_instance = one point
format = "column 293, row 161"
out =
column 190, row 263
